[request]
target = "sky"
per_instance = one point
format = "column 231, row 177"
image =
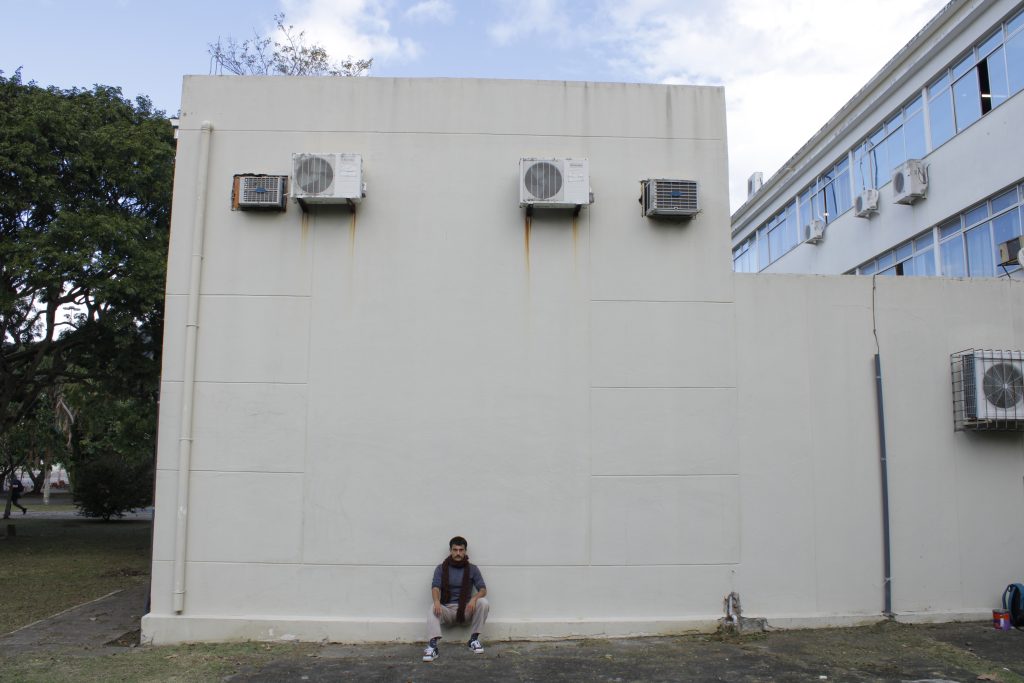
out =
column 787, row 65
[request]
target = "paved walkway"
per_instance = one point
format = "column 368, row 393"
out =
column 90, row 627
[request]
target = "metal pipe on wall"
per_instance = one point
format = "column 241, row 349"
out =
column 188, row 384
column 886, row 543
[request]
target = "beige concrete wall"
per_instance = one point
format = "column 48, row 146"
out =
column 810, row 472
column 625, row 430
column 370, row 385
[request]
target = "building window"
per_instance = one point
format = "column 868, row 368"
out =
column 968, row 244
column 827, row 198
column 899, row 138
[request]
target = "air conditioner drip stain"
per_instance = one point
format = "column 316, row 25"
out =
column 527, row 226
column 352, row 232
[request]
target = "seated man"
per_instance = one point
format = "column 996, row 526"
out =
column 454, row 600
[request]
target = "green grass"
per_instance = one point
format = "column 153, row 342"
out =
column 53, row 564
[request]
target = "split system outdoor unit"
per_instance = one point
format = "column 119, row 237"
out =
column 909, row 182
column 988, row 390
column 866, row 203
column 331, row 178
column 666, row 197
column 815, row 231
column 554, row 183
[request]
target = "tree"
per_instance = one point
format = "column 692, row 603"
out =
column 85, row 189
column 288, row 56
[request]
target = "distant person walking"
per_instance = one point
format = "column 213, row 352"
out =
column 17, row 488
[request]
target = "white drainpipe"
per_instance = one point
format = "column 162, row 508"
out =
column 188, row 387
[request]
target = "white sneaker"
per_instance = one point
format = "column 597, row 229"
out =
column 430, row 653
column 475, row 646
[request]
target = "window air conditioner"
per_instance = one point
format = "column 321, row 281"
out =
column 328, row 178
column 988, row 390
column 554, row 183
column 909, row 182
column 866, row 203
column 664, row 197
column 259, row 192
column 816, row 231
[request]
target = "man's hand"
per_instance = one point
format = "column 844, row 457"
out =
column 470, row 606
column 437, row 610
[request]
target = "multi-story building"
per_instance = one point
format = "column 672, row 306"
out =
column 919, row 174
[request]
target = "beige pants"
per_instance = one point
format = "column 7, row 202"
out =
column 447, row 617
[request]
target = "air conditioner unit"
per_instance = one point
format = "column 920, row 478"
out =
column 1010, row 252
column 260, row 192
column 554, row 183
column 664, row 197
column 328, row 178
column 909, row 182
column 866, row 203
column 815, row 231
column 988, row 389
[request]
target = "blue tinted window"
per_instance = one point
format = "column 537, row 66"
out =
column 967, row 99
column 1004, row 200
column 886, row 260
column 880, row 164
column 963, row 66
column 842, row 191
column 1015, row 23
column 991, row 43
column 1006, row 226
column 897, row 152
column 994, row 86
column 978, row 213
column 904, row 251
column 776, row 244
column 913, row 136
column 762, row 249
column 924, row 263
column 940, row 112
column 924, row 242
column 862, row 169
column 1015, row 62
column 949, row 228
column 980, row 261
column 952, row 256
column 888, row 272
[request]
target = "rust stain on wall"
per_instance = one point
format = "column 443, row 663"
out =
column 352, row 233
column 527, row 226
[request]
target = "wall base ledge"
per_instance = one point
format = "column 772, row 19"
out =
column 169, row 629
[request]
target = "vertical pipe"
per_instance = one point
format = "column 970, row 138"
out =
column 886, row 551
column 188, row 385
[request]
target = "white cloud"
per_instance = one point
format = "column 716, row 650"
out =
column 525, row 18
column 436, row 10
column 787, row 66
column 350, row 27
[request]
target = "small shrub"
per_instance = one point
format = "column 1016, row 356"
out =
column 109, row 485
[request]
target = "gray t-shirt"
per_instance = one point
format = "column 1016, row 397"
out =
column 455, row 581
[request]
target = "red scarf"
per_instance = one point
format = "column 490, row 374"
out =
column 467, row 570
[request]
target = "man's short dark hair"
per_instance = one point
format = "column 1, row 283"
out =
column 457, row 540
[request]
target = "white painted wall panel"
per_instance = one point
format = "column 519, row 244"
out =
column 665, row 520
column 663, row 431
column 253, row 339
column 245, row 517
column 661, row 344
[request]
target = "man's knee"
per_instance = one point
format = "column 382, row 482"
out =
column 481, row 603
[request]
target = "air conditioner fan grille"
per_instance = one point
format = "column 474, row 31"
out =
column 1003, row 385
column 314, row 174
column 543, row 180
